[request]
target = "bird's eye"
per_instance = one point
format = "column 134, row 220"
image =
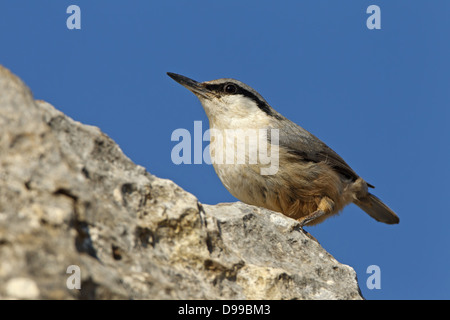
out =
column 230, row 88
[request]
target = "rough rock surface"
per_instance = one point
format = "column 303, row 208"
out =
column 70, row 197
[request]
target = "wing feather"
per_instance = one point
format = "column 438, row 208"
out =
column 305, row 145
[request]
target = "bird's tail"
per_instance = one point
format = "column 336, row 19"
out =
column 375, row 208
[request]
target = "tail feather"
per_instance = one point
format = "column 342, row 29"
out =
column 375, row 208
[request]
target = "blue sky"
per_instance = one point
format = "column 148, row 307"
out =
column 380, row 98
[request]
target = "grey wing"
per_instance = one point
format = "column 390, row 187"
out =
column 301, row 143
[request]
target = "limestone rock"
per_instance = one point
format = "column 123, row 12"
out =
column 71, row 203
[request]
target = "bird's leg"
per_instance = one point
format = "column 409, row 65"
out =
column 325, row 206
column 313, row 216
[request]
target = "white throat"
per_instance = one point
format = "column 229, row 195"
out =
column 233, row 112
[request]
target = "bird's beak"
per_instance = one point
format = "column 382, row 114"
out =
column 196, row 87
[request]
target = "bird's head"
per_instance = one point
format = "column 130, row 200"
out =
column 229, row 103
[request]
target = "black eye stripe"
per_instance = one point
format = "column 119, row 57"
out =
column 214, row 87
column 219, row 88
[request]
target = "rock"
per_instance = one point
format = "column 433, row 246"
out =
column 74, row 210
column 22, row 288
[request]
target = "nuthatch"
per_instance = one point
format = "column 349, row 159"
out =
column 312, row 181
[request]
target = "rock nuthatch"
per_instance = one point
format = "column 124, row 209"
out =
column 311, row 183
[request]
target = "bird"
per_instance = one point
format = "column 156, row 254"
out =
column 311, row 182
